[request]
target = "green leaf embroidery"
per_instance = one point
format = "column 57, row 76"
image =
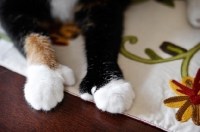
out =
column 155, row 59
column 152, row 54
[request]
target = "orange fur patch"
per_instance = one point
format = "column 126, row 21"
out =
column 40, row 51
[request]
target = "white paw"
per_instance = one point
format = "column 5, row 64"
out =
column 115, row 97
column 44, row 88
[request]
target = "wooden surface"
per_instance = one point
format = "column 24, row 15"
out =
column 73, row 114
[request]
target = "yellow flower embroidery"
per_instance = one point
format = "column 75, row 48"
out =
column 188, row 99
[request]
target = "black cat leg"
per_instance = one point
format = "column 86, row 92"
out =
column 102, row 27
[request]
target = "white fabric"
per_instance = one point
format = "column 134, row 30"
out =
column 152, row 23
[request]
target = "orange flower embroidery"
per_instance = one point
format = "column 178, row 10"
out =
column 188, row 100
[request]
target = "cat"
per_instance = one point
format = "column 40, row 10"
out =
column 101, row 23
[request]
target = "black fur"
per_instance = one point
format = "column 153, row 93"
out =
column 103, row 40
column 19, row 18
column 103, row 36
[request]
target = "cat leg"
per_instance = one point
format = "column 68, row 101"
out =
column 44, row 87
column 102, row 25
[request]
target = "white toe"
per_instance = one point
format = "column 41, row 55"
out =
column 93, row 90
column 115, row 97
column 68, row 75
column 87, row 97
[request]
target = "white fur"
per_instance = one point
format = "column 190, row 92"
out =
column 67, row 74
column 115, row 97
column 44, row 87
column 87, row 97
column 93, row 90
column 193, row 12
column 63, row 9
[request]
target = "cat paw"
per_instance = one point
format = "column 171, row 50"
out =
column 44, row 88
column 115, row 97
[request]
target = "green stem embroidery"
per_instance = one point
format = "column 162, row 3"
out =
column 185, row 56
column 152, row 54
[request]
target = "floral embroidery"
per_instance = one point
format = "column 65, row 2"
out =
column 188, row 100
column 177, row 52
